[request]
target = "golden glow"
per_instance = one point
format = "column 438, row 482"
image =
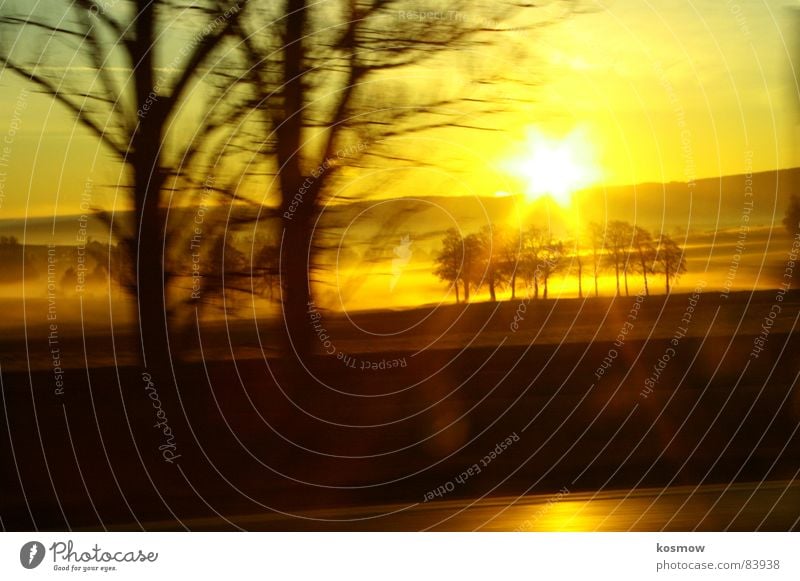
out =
column 554, row 167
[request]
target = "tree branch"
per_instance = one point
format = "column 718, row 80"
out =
column 74, row 108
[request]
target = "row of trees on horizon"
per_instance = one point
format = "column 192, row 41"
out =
column 497, row 258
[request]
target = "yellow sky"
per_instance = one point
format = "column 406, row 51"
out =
column 650, row 78
column 663, row 91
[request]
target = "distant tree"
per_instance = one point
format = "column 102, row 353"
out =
column 459, row 261
column 266, row 264
column 98, row 252
column 551, row 255
column 540, row 257
column 596, row 237
column 644, row 252
column 223, row 272
column 669, row 260
column 69, row 280
column 529, row 255
column 511, row 250
column 121, row 269
column 471, row 271
column 96, row 263
column 14, row 261
column 627, row 267
column 791, row 220
column 490, row 241
column 618, row 235
column 450, row 260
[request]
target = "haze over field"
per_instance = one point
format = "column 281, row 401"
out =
column 712, row 219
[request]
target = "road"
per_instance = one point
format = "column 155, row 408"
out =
column 768, row 506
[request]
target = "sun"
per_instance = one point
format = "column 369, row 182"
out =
column 554, row 167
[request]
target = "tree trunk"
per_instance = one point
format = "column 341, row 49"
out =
column 514, row 285
column 296, row 290
column 466, row 291
column 666, row 275
column 616, row 272
column 544, row 294
column 148, row 243
column 456, row 285
column 596, row 288
column 625, row 276
column 150, row 293
column 296, row 213
column 644, row 275
column 492, row 294
column 147, row 248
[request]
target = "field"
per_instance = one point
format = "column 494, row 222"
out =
column 404, row 407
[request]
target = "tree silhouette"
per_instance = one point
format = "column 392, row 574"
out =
column 510, row 243
column 529, row 257
column 618, row 235
column 471, row 260
column 223, row 273
column 669, row 260
column 644, row 252
column 491, row 241
column 266, row 263
column 13, row 259
column 450, row 260
column 596, row 237
column 550, row 261
column 130, row 116
column 473, row 269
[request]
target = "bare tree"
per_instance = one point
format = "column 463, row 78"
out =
column 540, row 257
column 644, row 251
column 491, row 241
column 130, row 114
column 450, row 260
column 617, row 242
column 669, row 260
column 472, row 270
column 510, row 253
column 597, row 245
column 462, row 260
column 577, row 255
column 267, row 264
column 529, row 257
column 550, row 261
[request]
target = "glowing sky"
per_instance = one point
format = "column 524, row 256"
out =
column 664, row 91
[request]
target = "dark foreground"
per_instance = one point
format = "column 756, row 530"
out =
column 764, row 506
column 528, row 433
